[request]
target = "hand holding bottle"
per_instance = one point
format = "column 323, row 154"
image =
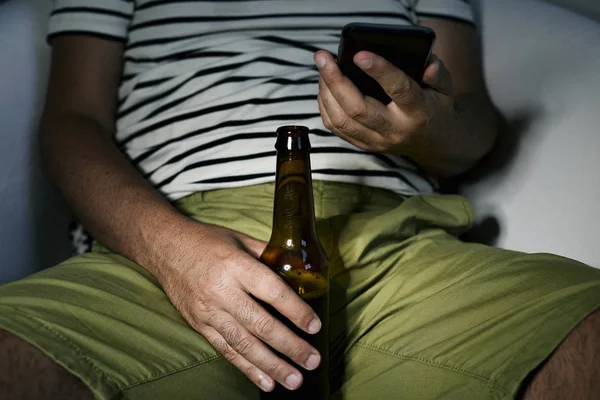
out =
column 212, row 283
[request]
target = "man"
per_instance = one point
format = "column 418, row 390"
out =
column 158, row 128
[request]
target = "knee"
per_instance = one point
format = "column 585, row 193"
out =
column 26, row 372
column 581, row 348
column 587, row 332
column 16, row 353
column 573, row 369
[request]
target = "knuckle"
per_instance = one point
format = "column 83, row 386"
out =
column 326, row 101
column 381, row 145
column 201, row 306
column 327, row 122
column 230, row 333
column 277, row 289
column 264, row 326
column 196, row 318
column 213, row 319
column 379, row 121
column 401, row 89
column 321, row 89
column 393, row 141
column 229, row 354
column 339, row 122
column 357, row 112
column 331, row 79
column 296, row 350
column 242, row 309
column 273, row 368
column 250, row 277
column 245, row 345
column 420, row 119
column 220, row 345
column 380, row 68
column 251, row 372
column 377, row 73
column 217, row 285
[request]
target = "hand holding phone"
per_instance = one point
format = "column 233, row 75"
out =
column 406, row 47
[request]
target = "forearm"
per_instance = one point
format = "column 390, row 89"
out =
column 460, row 140
column 117, row 206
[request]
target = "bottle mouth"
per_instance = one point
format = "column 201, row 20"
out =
column 292, row 137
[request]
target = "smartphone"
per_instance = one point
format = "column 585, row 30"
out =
column 406, row 47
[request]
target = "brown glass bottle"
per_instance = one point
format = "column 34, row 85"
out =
column 296, row 254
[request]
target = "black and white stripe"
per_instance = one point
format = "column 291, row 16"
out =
column 206, row 83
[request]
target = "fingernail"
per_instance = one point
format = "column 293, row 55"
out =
column 320, row 60
column 266, row 384
column 364, row 62
column 313, row 361
column 292, row 381
column 314, row 326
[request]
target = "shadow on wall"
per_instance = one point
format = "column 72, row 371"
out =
column 497, row 163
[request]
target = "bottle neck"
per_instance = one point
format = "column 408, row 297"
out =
column 293, row 214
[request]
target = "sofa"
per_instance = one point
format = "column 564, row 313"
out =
column 536, row 192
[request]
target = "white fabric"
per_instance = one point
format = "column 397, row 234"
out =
column 543, row 70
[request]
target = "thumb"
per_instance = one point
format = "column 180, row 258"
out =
column 437, row 76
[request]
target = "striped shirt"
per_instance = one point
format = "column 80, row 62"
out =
column 205, row 84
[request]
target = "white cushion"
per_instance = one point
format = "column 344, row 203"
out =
column 543, row 70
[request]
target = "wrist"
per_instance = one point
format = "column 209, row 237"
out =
column 162, row 235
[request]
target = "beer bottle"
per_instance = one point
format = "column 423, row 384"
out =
column 296, row 255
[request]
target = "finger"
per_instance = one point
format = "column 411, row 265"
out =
column 403, row 91
column 262, row 324
column 327, row 122
column 329, row 125
column 253, row 246
column 437, row 76
column 255, row 374
column 324, row 116
column 256, row 352
column 267, row 286
column 350, row 99
column 344, row 126
column 332, row 76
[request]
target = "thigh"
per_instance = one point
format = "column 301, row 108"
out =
column 427, row 316
column 107, row 321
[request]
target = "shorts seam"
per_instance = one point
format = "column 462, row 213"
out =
column 171, row 372
column 72, row 345
column 490, row 382
column 469, row 211
column 525, row 345
column 534, row 337
column 97, row 369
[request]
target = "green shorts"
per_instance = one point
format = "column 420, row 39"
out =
column 415, row 313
